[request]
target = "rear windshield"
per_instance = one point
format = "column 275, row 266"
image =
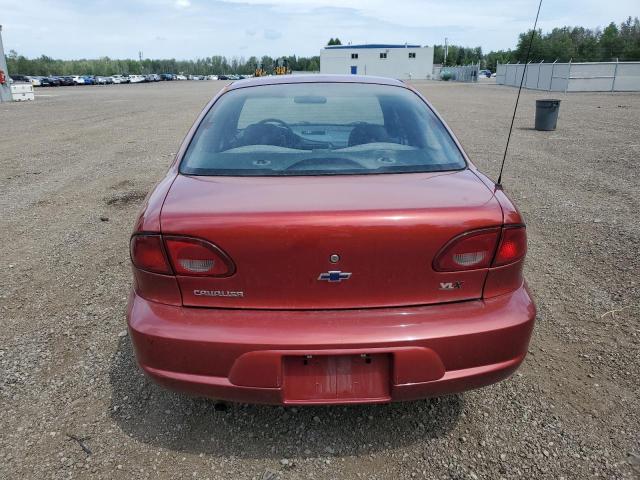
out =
column 320, row 129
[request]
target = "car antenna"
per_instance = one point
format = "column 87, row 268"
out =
column 515, row 108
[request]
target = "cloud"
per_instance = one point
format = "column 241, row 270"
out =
column 270, row 34
column 278, row 27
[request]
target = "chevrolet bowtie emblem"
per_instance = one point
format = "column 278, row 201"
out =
column 334, row 276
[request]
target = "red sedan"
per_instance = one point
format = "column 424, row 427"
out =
column 326, row 240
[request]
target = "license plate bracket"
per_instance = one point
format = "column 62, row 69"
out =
column 338, row 378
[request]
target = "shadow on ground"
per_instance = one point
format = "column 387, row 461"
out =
column 169, row 420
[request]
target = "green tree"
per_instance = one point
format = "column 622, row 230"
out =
column 630, row 34
column 611, row 43
column 491, row 59
column 582, row 44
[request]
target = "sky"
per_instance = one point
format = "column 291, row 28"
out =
column 188, row 29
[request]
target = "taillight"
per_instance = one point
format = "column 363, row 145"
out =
column 147, row 253
column 477, row 249
column 513, row 246
column 468, row 251
column 195, row 257
column 506, row 273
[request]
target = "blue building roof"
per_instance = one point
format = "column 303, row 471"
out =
column 372, row 45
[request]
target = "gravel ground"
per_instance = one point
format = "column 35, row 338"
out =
column 74, row 168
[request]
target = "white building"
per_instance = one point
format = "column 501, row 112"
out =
column 396, row 61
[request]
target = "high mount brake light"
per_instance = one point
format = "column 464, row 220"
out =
column 147, row 253
column 195, row 257
column 477, row 249
column 469, row 251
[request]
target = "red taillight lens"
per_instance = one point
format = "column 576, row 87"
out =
column 469, row 251
column 194, row 257
column 147, row 253
column 513, row 246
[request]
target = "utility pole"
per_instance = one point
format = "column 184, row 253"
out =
column 446, row 51
column 5, row 88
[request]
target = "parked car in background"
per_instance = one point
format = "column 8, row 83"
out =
column 167, row 76
column 65, row 81
column 484, row 73
column 89, row 80
column 48, row 82
column 181, row 77
column 78, row 80
column 21, row 79
column 33, row 80
column 223, row 77
column 100, row 80
column 212, row 77
column 137, row 79
column 120, row 79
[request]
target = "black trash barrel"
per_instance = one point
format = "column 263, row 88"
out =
column 547, row 114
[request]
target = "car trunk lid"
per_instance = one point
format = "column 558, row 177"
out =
column 329, row 242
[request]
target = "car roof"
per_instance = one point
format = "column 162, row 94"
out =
column 314, row 78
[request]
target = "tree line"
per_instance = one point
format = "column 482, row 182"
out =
column 44, row 65
column 577, row 44
column 457, row 55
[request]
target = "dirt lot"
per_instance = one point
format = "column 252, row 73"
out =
column 74, row 168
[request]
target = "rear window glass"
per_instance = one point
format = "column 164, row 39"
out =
column 295, row 111
column 320, row 129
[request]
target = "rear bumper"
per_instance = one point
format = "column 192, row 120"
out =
column 237, row 355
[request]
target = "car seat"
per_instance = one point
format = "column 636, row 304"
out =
column 368, row 133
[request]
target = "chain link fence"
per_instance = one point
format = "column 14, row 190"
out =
column 572, row 77
column 467, row 73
